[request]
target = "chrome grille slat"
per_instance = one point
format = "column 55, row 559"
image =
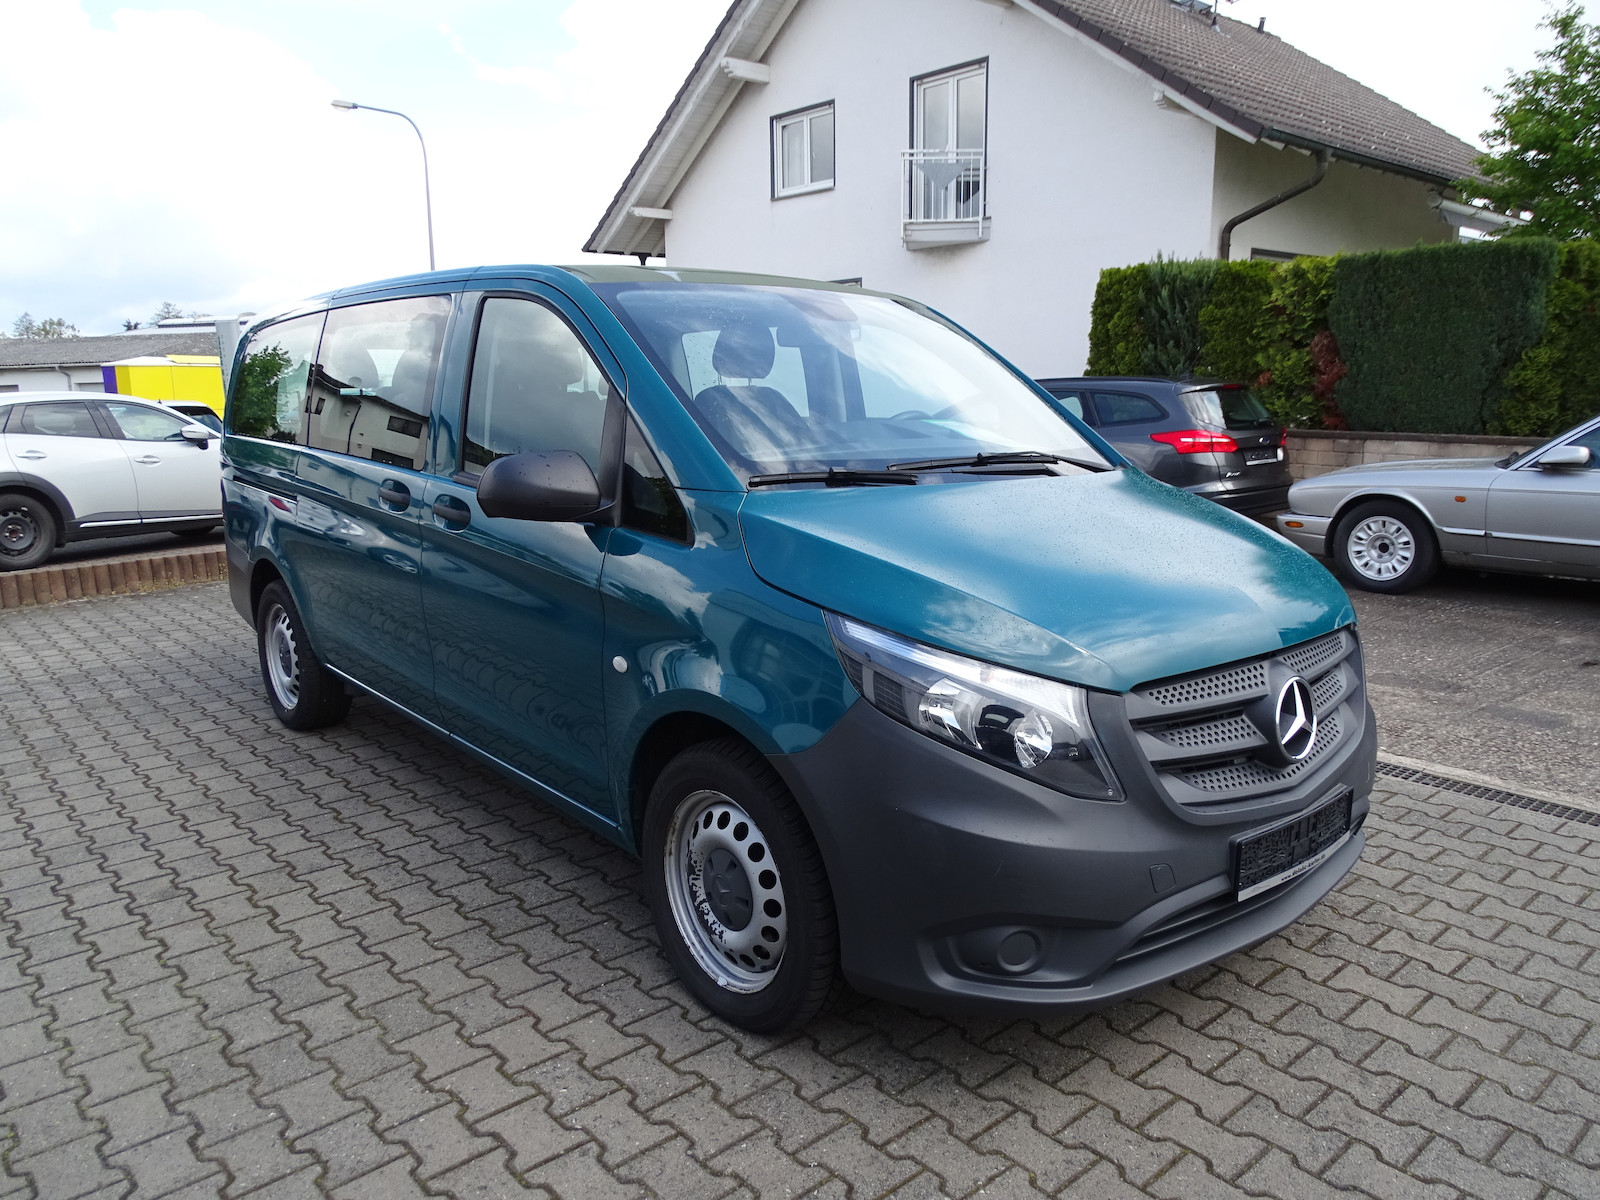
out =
column 1203, row 733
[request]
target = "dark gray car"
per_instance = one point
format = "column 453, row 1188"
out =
column 1211, row 438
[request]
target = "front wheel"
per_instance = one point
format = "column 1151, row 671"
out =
column 1385, row 546
column 304, row 694
column 740, row 895
column 27, row 532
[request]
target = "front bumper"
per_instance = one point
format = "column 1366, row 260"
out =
column 1309, row 533
column 962, row 886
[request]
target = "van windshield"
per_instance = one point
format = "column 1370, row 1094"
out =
column 795, row 379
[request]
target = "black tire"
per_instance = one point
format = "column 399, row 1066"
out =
column 1385, row 546
column 303, row 693
column 718, row 788
column 28, row 531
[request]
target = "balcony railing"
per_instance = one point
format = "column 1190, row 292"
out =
column 944, row 197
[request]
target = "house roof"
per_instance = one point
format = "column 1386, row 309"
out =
column 97, row 351
column 1252, row 83
column 1266, row 87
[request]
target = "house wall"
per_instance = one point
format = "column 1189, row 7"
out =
column 1085, row 171
column 1354, row 208
column 51, row 379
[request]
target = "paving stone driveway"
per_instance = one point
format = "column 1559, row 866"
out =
column 242, row 961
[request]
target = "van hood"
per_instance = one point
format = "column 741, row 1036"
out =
column 1105, row 580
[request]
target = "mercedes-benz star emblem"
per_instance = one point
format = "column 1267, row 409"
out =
column 1296, row 720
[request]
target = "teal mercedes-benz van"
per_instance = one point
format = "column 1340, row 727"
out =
column 881, row 660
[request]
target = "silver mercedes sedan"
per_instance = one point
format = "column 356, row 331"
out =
column 1388, row 526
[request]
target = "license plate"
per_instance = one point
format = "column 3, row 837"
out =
column 1260, row 456
column 1291, row 848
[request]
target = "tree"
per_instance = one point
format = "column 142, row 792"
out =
column 1544, row 151
column 49, row 329
column 129, row 326
column 166, row 312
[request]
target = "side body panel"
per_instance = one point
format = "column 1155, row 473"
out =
column 690, row 628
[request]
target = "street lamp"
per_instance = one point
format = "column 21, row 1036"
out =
column 427, row 195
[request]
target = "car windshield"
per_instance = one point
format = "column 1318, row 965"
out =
column 788, row 379
column 1229, row 407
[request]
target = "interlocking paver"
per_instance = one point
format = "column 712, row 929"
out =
column 237, row 960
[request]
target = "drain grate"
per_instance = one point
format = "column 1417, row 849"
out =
column 1579, row 816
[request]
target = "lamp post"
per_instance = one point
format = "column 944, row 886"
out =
column 427, row 195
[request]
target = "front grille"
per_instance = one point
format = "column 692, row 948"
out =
column 1211, row 736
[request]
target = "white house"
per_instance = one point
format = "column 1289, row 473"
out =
column 989, row 157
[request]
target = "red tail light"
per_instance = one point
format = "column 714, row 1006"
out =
column 1197, row 441
column 1283, row 436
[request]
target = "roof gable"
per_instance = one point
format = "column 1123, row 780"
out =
column 1249, row 82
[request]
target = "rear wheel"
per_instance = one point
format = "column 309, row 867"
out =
column 741, row 899
column 27, row 532
column 1385, row 546
column 304, row 694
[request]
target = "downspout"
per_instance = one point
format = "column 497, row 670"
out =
column 1225, row 242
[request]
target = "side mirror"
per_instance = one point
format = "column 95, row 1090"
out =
column 198, row 434
column 557, row 486
column 1566, row 456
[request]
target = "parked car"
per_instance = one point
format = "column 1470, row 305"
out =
column 1389, row 525
column 1211, row 438
column 76, row 465
column 200, row 414
column 879, row 657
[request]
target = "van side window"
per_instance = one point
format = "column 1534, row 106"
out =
column 650, row 504
column 269, row 390
column 534, row 389
column 372, row 388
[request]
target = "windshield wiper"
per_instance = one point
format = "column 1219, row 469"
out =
column 1004, row 458
column 835, row 477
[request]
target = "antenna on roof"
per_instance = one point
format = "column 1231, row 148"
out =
column 1261, row 25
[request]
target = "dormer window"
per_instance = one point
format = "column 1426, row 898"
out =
column 802, row 151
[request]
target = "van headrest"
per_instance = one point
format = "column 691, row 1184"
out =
column 744, row 351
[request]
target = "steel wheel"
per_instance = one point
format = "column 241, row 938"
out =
column 725, row 891
column 281, row 658
column 303, row 693
column 27, row 532
column 1381, row 548
column 739, row 892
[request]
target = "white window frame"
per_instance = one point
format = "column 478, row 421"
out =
column 802, row 117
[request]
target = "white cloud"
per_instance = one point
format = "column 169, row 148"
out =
column 165, row 155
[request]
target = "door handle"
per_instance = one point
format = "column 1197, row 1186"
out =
column 397, row 494
column 148, row 459
column 451, row 513
column 32, row 454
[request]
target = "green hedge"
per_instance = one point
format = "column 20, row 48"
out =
column 1557, row 382
column 1502, row 337
column 1430, row 334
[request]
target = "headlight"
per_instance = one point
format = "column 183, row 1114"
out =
column 1035, row 727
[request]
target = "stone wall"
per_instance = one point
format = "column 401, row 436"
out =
column 1318, row 451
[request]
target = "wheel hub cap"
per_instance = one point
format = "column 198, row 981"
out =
column 17, row 533
column 725, row 892
column 283, row 662
column 1382, row 548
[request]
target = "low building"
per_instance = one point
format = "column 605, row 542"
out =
column 89, row 364
column 990, row 157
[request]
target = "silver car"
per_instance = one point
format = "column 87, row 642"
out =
column 1388, row 526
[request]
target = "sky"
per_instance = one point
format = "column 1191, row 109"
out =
column 191, row 154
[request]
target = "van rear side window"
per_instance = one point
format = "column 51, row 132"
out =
column 372, row 388
column 269, row 394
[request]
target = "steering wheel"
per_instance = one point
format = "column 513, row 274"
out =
column 910, row 414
